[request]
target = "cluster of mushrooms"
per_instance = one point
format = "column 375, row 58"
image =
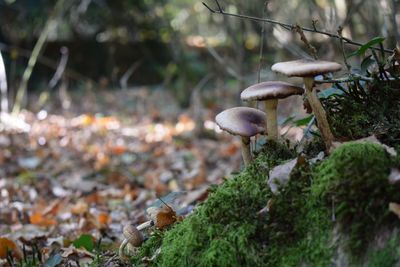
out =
column 248, row 122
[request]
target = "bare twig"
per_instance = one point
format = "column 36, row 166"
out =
column 340, row 31
column 262, row 43
column 287, row 26
column 60, row 68
column 310, row 47
column 45, row 61
column 124, row 79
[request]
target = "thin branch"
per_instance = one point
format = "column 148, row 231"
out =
column 262, row 44
column 60, row 68
column 340, row 31
column 351, row 78
column 288, row 26
column 303, row 38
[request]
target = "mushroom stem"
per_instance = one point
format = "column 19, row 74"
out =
column 121, row 251
column 246, row 153
column 319, row 112
column 271, row 106
column 145, row 225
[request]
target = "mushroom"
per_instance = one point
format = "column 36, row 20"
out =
column 132, row 236
column 243, row 121
column 308, row 69
column 270, row 92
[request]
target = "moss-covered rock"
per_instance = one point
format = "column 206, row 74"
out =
column 228, row 230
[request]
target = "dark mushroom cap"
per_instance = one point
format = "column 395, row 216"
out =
column 133, row 235
column 305, row 67
column 242, row 121
column 270, row 90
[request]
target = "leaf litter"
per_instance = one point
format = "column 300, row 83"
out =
column 64, row 178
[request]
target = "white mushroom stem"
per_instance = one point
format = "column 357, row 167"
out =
column 121, row 251
column 246, row 153
column 145, row 225
column 319, row 112
column 271, row 106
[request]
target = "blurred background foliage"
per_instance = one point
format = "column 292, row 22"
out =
column 177, row 44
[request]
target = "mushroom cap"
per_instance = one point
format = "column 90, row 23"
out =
column 133, row 235
column 243, row 121
column 305, row 67
column 270, row 90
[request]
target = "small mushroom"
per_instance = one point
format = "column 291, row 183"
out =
column 132, row 236
column 270, row 92
column 308, row 69
column 243, row 121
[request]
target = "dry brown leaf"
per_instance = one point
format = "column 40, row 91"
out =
column 103, row 219
column 9, row 245
column 37, row 218
column 117, row 150
column 395, row 208
column 163, row 217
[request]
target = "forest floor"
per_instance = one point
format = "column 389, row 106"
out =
column 74, row 179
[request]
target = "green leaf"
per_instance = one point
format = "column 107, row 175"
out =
column 366, row 63
column 85, row 241
column 365, row 47
column 304, row 121
column 53, row 260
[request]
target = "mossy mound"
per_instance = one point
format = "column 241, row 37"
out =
column 298, row 229
column 366, row 109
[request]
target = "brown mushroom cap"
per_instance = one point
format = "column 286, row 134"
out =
column 270, row 90
column 243, row 121
column 305, row 67
column 133, row 235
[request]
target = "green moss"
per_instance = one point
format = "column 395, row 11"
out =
column 387, row 256
column 364, row 110
column 227, row 229
column 150, row 246
column 353, row 181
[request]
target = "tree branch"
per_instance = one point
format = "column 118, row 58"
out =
column 287, row 26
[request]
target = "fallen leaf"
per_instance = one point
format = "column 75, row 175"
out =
column 37, row 218
column 85, row 241
column 162, row 217
column 394, row 175
column 53, row 260
column 395, row 208
column 279, row 175
column 103, row 219
column 7, row 245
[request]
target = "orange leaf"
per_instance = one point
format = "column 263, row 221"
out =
column 38, row 219
column 162, row 217
column 103, row 219
column 9, row 245
column 118, row 150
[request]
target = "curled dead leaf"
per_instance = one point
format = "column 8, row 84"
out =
column 163, row 217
